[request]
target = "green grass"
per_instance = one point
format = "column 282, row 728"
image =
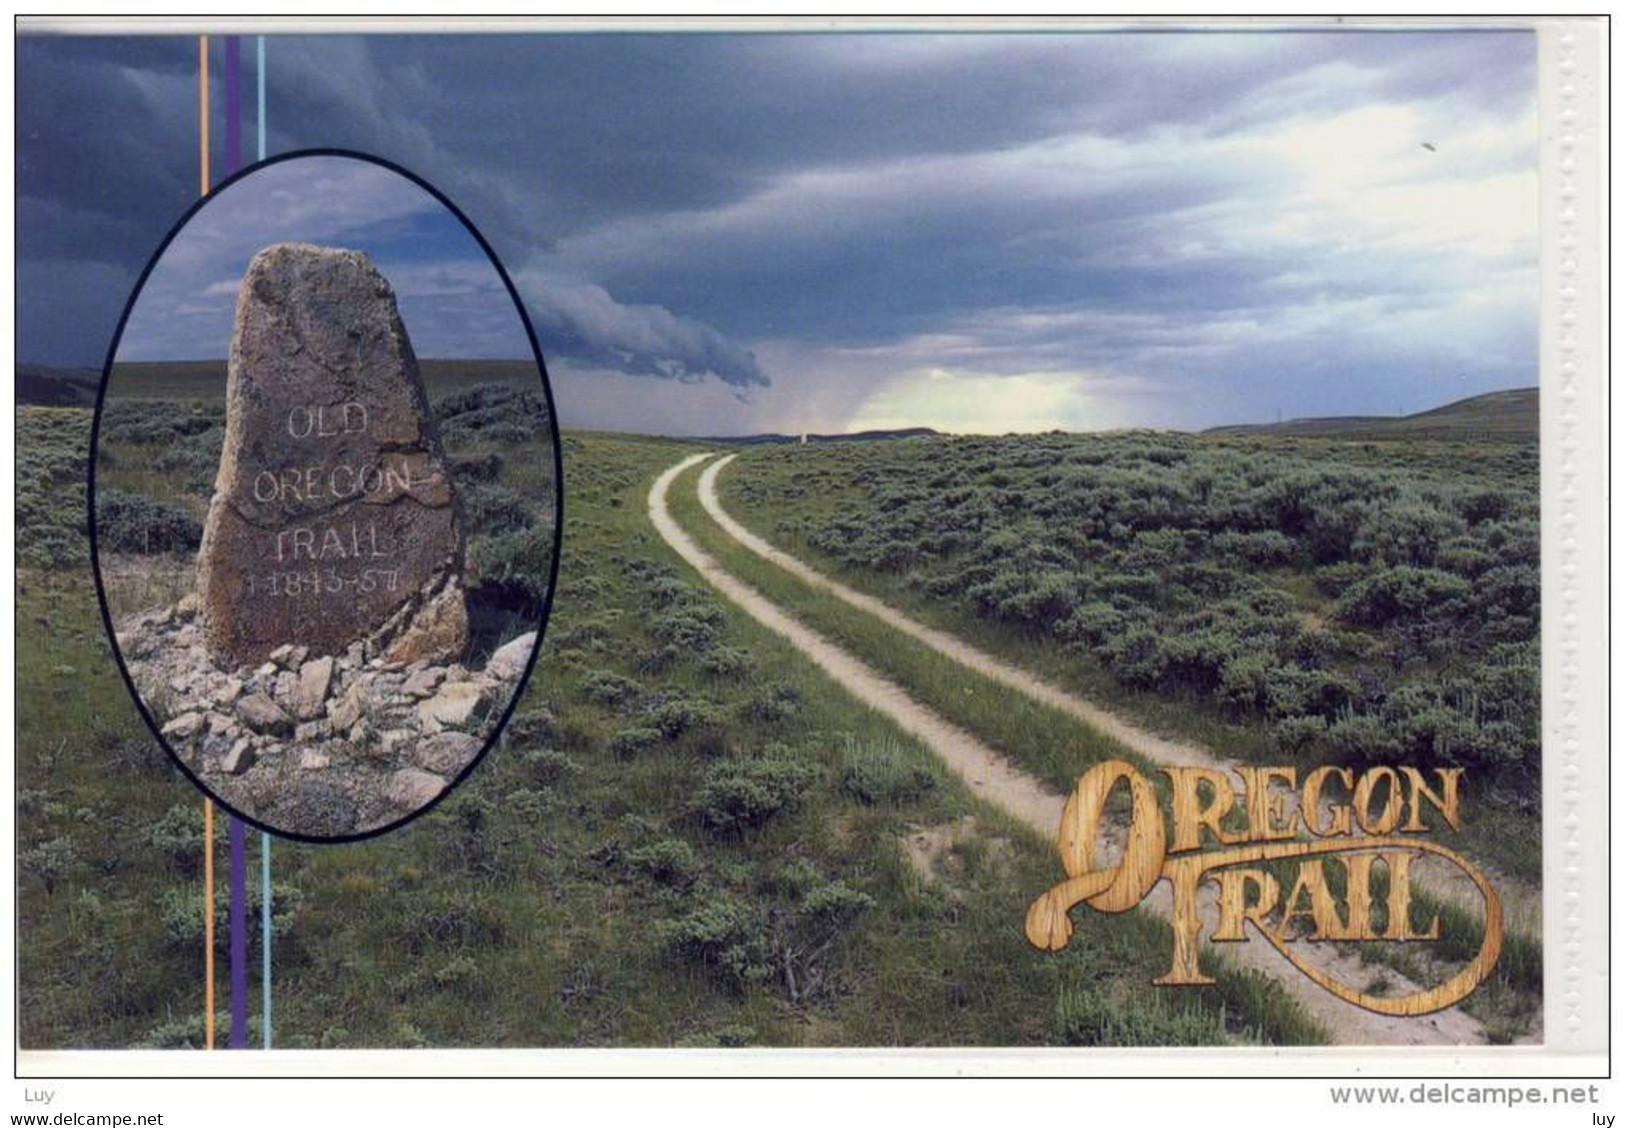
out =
column 783, row 493
column 1044, row 741
column 1058, row 748
column 571, row 894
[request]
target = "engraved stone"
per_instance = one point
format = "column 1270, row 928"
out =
column 333, row 519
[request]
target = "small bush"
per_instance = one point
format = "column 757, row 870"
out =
column 604, row 687
column 194, row 459
column 670, row 862
column 726, row 935
column 49, row 863
column 549, row 768
column 178, row 835
column 738, row 795
column 725, row 661
column 499, row 413
column 680, row 715
column 475, row 468
column 127, row 522
column 630, row 743
column 493, row 510
column 694, row 628
column 1401, row 594
column 531, row 729
column 875, row 774
column 513, row 566
column 776, row 703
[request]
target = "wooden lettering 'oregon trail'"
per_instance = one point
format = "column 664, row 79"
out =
column 333, row 520
column 1378, row 820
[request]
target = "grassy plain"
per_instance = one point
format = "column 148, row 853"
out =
column 971, row 536
column 687, row 837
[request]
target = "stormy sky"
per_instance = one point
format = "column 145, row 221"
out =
column 719, row 233
column 449, row 295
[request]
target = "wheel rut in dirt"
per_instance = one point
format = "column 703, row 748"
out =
column 990, row 776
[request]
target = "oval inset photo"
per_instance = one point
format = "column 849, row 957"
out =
column 325, row 495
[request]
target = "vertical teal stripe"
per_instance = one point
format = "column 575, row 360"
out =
column 265, row 839
column 265, row 936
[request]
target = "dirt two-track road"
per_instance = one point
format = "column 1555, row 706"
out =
column 994, row 780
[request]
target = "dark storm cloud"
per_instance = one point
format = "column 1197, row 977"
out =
column 672, row 206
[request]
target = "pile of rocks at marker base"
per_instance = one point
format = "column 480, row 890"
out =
column 323, row 746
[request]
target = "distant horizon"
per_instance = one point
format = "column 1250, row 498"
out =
column 565, row 424
column 791, row 434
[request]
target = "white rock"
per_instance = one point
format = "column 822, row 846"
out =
column 311, row 760
column 510, row 659
column 184, row 726
column 453, row 706
column 345, row 711
column 422, row 683
column 287, row 689
column 262, row 714
column 310, row 697
column 289, row 656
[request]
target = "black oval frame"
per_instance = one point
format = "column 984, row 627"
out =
column 558, row 491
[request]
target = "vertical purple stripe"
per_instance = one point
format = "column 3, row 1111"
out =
column 239, row 935
column 234, row 104
column 238, row 915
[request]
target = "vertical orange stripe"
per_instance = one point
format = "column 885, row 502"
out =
column 208, row 804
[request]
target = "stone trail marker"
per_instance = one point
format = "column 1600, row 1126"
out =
column 333, row 519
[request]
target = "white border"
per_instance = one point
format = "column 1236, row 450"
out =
column 1574, row 445
column 1574, row 534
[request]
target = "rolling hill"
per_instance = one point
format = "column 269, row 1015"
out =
column 40, row 385
column 1512, row 414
